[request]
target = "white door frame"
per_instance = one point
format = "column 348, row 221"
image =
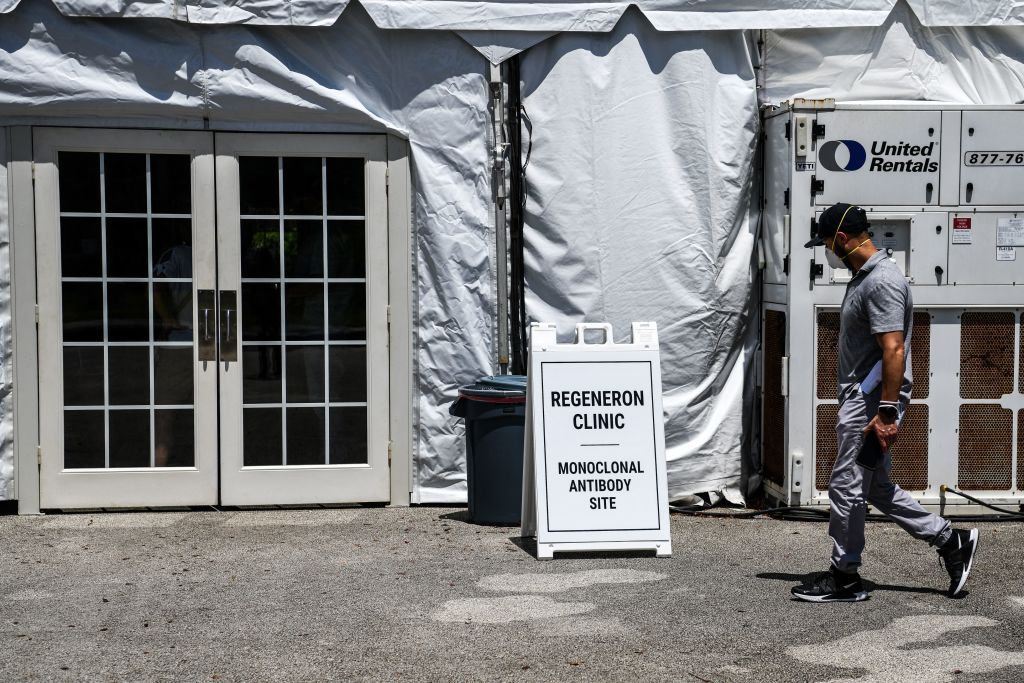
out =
column 306, row 484
column 129, row 487
column 24, row 333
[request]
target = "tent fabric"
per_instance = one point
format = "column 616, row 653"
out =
column 431, row 88
column 899, row 60
column 641, row 207
column 272, row 12
column 552, row 15
column 7, row 488
column 590, row 16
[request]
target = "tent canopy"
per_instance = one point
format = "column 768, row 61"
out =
column 547, row 16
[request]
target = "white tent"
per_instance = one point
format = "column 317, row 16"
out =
column 642, row 183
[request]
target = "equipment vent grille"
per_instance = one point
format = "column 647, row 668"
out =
column 1020, row 450
column 827, row 356
column 909, row 455
column 910, row 452
column 920, row 354
column 986, row 354
column 774, row 464
column 825, row 445
column 985, row 450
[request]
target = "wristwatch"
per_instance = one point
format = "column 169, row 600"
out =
column 888, row 410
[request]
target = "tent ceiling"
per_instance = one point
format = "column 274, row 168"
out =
column 552, row 15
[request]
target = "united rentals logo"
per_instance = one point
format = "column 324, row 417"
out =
column 855, row 150
column 908, row 158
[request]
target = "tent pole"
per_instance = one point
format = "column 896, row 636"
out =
column 500, row 228
column 517, row 205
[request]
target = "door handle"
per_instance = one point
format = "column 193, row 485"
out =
column 228, row 325
column 207, row 340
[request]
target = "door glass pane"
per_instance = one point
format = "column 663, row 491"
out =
column 171, row 183
column 258, row 185
column 124, row 183
column 303, row 186
column 172, row 374
column 345, row 183
column 82, row 311
column 305, row 374
column 303, row 266
column 348, row 373
column 127, row 248
column 129, row 438
column 173, row 442
column 84, row 438
column 346, row 249
column 128, row 375
column 126, row 284
column 348, row 436
column 306, row 436
column 261, row 433
column 347, row 310
column 304, row 248
column 261, row 254
column 127, row 311
column 81, row 247
column 79, row 181
column 83, row 375
column 304, row 317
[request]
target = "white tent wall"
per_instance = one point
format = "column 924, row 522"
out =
column 429, row 87
column 902, row 59
column 641, row 206
column 6, row 357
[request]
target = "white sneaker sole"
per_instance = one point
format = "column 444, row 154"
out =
column 970, row 562
column 857, row 597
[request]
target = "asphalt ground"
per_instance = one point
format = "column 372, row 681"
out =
column 421, row 594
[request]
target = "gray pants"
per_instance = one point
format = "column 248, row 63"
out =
column 852, row 487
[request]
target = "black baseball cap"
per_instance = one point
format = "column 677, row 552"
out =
column 852, row 219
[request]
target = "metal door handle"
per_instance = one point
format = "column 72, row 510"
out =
column 207, row 340
column 228, row 320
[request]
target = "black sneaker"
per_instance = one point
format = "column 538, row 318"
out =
column 832, row 586
column 958, row 556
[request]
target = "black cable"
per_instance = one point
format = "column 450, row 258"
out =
column 1009, row 513
column 517, row 203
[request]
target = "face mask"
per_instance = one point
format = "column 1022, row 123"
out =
column 834, row 261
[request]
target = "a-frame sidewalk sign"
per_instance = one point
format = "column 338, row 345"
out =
column 594, row 451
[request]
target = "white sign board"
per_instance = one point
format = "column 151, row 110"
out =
column 594, row 457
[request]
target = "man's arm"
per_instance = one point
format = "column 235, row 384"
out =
column 893, row 368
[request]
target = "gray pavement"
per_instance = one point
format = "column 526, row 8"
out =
column 420, row 594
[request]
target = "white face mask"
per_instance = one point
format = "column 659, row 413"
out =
column 834, row 261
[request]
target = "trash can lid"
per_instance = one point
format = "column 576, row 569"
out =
column 496, row 389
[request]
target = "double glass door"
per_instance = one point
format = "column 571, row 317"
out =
column 213, row 318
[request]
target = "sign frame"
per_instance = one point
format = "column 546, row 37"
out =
column 537, row 512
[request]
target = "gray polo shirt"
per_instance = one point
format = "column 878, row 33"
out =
column 877, row 300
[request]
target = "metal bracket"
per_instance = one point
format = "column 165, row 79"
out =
column 817, row 186
column 817, row 270
column 818, row 130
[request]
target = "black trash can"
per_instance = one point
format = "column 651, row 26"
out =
column 495, row 412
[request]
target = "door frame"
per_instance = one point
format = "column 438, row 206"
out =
column 129, row 487
column 25, row 338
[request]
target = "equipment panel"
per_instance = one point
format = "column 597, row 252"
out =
column 916, row 242
column 992, row 157
column 877, row 158
column 986, row 248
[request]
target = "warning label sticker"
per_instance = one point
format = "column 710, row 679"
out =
column 962, row 231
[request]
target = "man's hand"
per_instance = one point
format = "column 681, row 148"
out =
column 885, row 429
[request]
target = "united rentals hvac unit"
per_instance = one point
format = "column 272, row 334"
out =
column 943, row 187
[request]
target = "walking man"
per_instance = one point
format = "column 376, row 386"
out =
column 874, row 389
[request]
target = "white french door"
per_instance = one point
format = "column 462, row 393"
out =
column 212, row 318
column 302, row 250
